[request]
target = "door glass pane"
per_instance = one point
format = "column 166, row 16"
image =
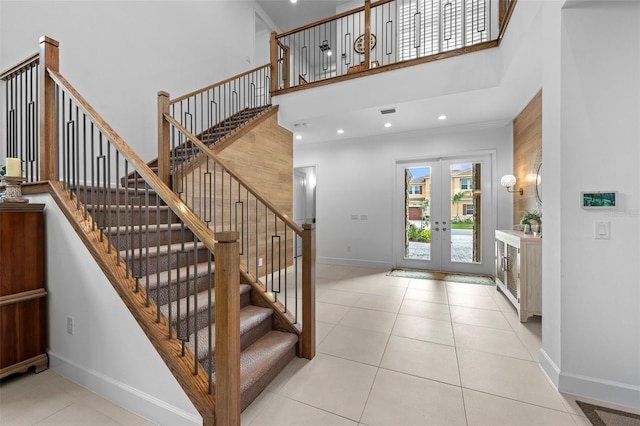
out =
column 417, row 199
column 466, row 218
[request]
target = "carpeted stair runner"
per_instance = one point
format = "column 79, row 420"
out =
column 264, row 351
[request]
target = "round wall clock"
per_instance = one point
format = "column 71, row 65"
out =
column 358, row 45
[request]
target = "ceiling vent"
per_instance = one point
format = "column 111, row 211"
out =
column 388, row 111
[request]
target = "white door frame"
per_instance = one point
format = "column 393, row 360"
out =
column 486, row 265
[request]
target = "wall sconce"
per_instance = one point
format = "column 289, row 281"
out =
column 509, row 181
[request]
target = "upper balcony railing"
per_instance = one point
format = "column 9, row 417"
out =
column 385, row 34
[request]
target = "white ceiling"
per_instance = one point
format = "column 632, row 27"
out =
column 288, row 16
column 509, row 78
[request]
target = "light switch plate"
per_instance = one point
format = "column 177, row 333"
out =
column 603, row 230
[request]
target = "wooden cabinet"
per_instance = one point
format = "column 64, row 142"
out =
column 23, row 338
column 519, row 271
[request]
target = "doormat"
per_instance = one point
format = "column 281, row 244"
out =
column 603, row 416
column 442, row 276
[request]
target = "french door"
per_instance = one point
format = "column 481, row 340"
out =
column 445, row 220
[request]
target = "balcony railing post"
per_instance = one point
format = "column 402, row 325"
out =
column 275, row 77
column 367, row 34
column 164, row 129
column 227, row 323
column 308, row 338
column 49, row 60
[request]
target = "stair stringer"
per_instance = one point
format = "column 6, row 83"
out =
column 195, row 386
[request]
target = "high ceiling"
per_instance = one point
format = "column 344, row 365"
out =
column 287, row 15
column 478, row 93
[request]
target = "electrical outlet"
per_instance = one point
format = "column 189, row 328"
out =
column 260, row 261
column 348, row 249
column 70, row 325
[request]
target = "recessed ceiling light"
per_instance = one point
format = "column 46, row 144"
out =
column 387, row 124
column 442, row 117
column 294, row 1
column 298, row 137
column 340, row 131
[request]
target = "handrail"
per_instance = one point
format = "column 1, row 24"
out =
column 240, row 179
column 404, row 32
column 214, row 85
column 20, row 66
column 174, row 202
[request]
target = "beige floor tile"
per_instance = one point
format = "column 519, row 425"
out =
column 473, row 301
column 369, row 319
column 380, row 303
column 78, row 414
column 508, row 377
column 355, row 344
column 401, row 399
column 484, row 409
column 437, row 311
column 332, row 384
column 427, row 285
column 423, row 359
column 253, row 411
column 330, row 313
column 479, row 317
column 465, row 288
column 280, row 411
column 337, row 297
column 532, row 343
column 501, row 342
column 427, row 296
column 386, row 280
column 113, row 411
column 287, row 373
column 532, row 326
column 426, row 329
column 580, row 420
column 322, row 330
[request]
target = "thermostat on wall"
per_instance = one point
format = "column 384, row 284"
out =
column 598, row 199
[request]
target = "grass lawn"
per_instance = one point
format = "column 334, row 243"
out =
column 461, row 225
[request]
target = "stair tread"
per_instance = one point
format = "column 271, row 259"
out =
column 163, row 249
column 250, row 316
column 202, row 299
column 202, row 268
column 162, row 227
column 261, row 355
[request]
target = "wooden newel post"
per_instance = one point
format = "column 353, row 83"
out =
column 163, row 139
column 227, row 323
column 275, row 78
column 49, row 60
column 367, row 34
column 308, row 343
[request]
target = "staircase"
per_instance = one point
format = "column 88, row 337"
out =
column 174, row 270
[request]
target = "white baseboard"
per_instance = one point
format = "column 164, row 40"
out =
column 591, row 387
column 600, row 389
column 134, row 400
column 354, row 262
column 549, row 367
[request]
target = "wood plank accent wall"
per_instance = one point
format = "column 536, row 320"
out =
column 527, row 155
column 263, row 156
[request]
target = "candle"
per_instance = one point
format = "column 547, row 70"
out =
column 14, row 167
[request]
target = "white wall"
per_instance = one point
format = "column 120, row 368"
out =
column 357, row 176
column 599, row 317
column 108, row 353
column 119, row 54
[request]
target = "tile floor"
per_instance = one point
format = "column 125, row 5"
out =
column 391, row 351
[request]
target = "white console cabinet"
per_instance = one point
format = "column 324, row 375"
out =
column 519, row 271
